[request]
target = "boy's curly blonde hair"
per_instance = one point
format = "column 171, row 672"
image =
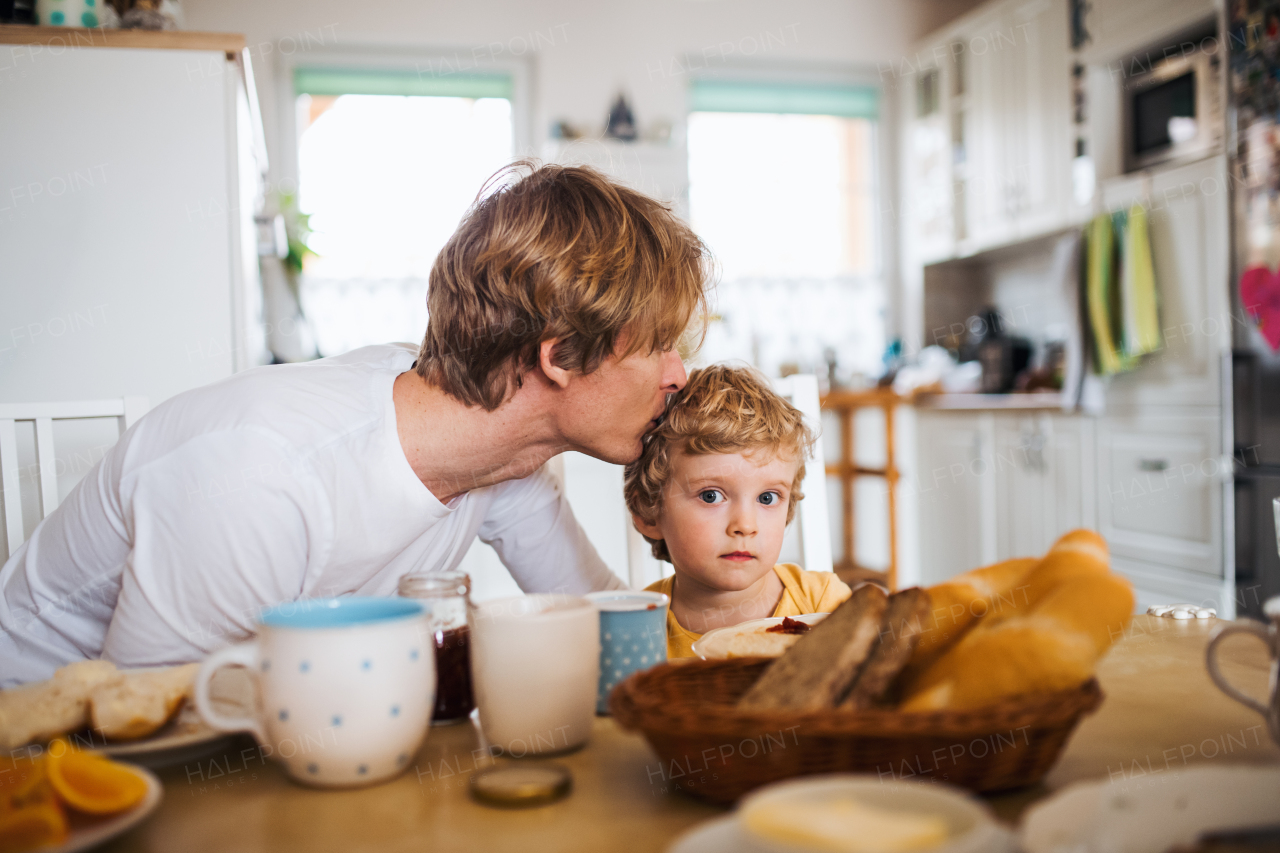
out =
column 722, row 409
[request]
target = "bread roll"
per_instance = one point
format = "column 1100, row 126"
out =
column 1079, row 553
column 40, row 711
column 136, row 705
column 955, row 606
column 1054, row 646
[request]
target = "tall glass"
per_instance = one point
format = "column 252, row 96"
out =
column 447, row 599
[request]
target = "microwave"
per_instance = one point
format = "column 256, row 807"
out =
column 1173, row 111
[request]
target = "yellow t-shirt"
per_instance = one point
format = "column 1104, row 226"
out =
column 802, row 592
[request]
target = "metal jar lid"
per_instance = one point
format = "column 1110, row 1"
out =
column 521, row 785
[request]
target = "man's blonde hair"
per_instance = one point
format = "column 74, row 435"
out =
column 556, row 252
column 722, row 409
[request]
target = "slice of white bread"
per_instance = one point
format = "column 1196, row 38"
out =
column 136, row 705
column 40, row 711
column 818, row 669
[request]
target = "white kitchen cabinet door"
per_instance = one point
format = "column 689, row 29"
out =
column 1044, row 487
column 1037, row 106
column 928, row 191
column 987, row 174
column 1160, row 496
column 1187, row 209
column 955, row 493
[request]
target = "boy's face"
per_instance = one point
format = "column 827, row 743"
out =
column 723, row 516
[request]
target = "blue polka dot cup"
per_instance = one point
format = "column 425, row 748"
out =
column 633, row 636
column 345, row 687
column 69, row 13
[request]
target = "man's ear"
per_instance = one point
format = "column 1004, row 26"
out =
column 546, row 361
column 650, row 530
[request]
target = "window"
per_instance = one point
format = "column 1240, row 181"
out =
column 783, row 189
column 387, row 164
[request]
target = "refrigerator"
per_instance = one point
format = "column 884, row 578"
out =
column 1253, row 115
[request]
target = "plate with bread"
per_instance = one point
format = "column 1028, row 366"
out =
column 141, row 714
column 766, row 638
column 978, row 681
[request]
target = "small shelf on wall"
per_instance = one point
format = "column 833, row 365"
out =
column 59, row 38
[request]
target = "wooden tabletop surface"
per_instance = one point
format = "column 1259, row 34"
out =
column 1161, row 713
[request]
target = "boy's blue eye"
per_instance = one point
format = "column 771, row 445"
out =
column 709, row 496
column 769, row 498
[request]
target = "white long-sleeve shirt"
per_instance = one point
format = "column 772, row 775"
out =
column 276, row 484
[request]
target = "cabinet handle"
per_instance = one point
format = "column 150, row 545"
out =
column 1156, row 465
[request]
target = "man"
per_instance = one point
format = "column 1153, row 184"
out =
column 554, row 313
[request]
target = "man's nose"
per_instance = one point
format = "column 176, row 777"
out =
column 674, row 376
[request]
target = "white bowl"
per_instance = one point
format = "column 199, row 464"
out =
column 709, row 640
column 970, row 826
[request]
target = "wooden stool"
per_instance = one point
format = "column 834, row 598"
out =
column 846, row 404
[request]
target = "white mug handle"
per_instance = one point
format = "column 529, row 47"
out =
column 1244, row 626
column 244, row 654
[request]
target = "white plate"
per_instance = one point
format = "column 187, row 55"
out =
column 702, row 643
column 1153, row 812
column 727, row 835
column 187, row 735
column 87, row 835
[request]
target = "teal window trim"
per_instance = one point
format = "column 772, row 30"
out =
column 740, row 96
column 365, row 81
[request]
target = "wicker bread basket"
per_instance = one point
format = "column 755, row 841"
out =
column 709, row 750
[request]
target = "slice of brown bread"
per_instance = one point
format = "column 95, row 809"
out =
column 818, row 669
column 904, row 621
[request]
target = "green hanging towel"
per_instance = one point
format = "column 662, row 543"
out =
column 1099, row 286
column 1141, row 314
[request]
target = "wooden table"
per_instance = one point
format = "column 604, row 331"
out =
column 1161, row 713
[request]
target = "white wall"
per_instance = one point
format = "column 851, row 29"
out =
column 586, row 52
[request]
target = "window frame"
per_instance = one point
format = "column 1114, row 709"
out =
column 899, row 294
column 393, row 59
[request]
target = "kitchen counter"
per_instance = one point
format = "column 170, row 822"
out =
column 1161, row 713
column 1002, row 402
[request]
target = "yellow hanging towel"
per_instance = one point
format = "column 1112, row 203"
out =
column 1139, row 301
column 1099, row 284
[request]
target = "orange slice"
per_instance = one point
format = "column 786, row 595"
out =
column 36, row 824
column 91, row 783
column 20, row 779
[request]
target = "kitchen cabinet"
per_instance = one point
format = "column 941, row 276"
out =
column 1188, row 216
column 1119, row 30
column 1016, row 105
column 955, row 493
column 1160, row 479
column 987, row 136
column 1044, row 487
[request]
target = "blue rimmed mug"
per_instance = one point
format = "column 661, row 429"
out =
column 345, row 687
column 633, row 636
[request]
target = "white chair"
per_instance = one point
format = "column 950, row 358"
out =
column 126, row 410
column 814, row 524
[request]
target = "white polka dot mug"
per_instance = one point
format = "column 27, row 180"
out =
column 345, row 687
column 633, row 636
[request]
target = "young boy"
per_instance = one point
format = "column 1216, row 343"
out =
column 713, row 492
